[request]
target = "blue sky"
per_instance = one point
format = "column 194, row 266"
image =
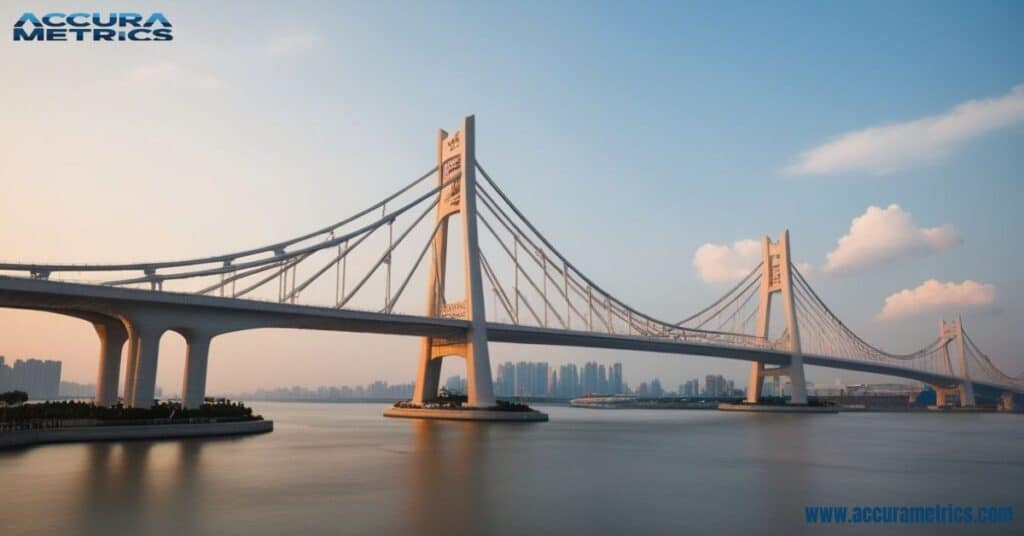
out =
column 631, row 134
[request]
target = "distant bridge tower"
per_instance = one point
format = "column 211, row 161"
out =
column 951, row 332
column 456, row 162
column 777, row 276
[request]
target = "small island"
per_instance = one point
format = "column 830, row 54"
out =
column 24, row 423
column 452, row 406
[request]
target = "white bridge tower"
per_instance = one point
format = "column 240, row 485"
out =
column 456, row 171
column 777, row 276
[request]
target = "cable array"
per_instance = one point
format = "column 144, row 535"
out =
column 535, row 284
column 349, row 264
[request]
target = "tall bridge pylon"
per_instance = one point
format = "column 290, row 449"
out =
column 456, row 165
column 777, row 277
column 953, row 333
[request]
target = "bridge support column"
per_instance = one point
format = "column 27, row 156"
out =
column 147, row 352
column 967, row 395
column 1007, row 402
column 112, row 335
column 428, row 378
column 193, row 389
column 941, row 396
column 967, row 387
column 756, row 382
column 456, row 171
column 777, row 276
column 130, row 366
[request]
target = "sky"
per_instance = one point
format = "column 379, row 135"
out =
column 654, row 143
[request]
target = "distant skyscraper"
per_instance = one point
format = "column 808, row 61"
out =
column 715, row 385
column 40, row 379
column 506, row 382
column 588, row 378
column 539, row 386
column 456, row 384
column 569, row 381
column 616, row 378
column 656, row 389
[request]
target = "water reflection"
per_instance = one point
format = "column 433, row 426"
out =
column 139, row 486
column 344, row 469
column 447, row 491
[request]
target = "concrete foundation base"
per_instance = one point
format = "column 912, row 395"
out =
column 74, row 434
column 765, row 408
column 958, row 409
column 466, row 414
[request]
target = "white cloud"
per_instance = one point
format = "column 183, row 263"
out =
column 718, row 263
column 173, row 75
column 934, row 295
column 886, row 148
column 884, row 234
column 721, row 263
column 285, row 44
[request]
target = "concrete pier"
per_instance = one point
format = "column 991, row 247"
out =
column 767, row 408
column 467, row 414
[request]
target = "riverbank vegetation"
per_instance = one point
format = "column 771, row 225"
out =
column 163, row 411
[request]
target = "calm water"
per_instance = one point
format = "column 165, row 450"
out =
column 342, row 468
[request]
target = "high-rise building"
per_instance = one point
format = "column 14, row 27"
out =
column 568, row 381
column 616, row 378
column 40, row 379
column 540, row 379
column 456, row 384
column 716, row 385
column 590, row 379
column 505, row 385
column 523, row 379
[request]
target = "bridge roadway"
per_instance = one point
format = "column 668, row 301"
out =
column 183, row 313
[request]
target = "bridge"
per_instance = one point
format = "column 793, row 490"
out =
column 353, row 276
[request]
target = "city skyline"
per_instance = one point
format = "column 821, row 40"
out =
column 42, row 379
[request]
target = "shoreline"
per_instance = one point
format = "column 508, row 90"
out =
column 76, row 434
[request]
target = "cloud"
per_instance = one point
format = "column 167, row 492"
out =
column 290, row 43
column 887, row 148
column 934, row 295
column 720, row 263
column 171, row 74
column 717, row 263
column 882, row 235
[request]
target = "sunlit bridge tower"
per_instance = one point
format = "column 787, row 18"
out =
column 456, row 171
column 777, row 277
column 953, row 333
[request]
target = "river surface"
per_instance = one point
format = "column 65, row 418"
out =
column 344, row 469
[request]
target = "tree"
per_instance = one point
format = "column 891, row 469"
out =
column 13, row 397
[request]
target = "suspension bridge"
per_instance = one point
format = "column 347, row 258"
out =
column 357, row 275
